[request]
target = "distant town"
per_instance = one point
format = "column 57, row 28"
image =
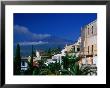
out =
column 79, row 58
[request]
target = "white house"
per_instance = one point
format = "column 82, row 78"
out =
column 58, row 57
column 49, row 61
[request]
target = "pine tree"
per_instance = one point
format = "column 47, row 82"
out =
column 17, row 61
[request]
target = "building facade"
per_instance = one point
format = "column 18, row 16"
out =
column 68, row 48
column 88, row 47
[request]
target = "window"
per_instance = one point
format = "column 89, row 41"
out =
column 88, row 49
column 23, row 63
column 78, row 49
column 92, row 48
column 92, row 29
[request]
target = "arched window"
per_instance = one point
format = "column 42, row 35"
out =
column 23, row 63
column 88, row 49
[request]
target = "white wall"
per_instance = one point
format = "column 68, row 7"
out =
column 25, row 66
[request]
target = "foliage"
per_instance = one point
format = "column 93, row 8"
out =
column 68, row 66
column 88, row 70
column 75, row 70
column 45, row 71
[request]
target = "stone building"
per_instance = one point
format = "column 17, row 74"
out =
column 88, row 47
column 76, row 45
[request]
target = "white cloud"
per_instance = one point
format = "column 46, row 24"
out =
column 25, row 31
column 40, row 36
column 33, row 43
column 21, row 29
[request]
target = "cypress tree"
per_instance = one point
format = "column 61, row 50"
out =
column 17, row 61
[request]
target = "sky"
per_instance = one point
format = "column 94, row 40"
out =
column 43, row 25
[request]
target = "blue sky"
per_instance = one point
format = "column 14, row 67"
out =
column 43, row 25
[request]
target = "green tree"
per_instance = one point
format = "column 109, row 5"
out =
column 17, row 61
column 70, row 65
column 65, row 61
column 59, row 49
